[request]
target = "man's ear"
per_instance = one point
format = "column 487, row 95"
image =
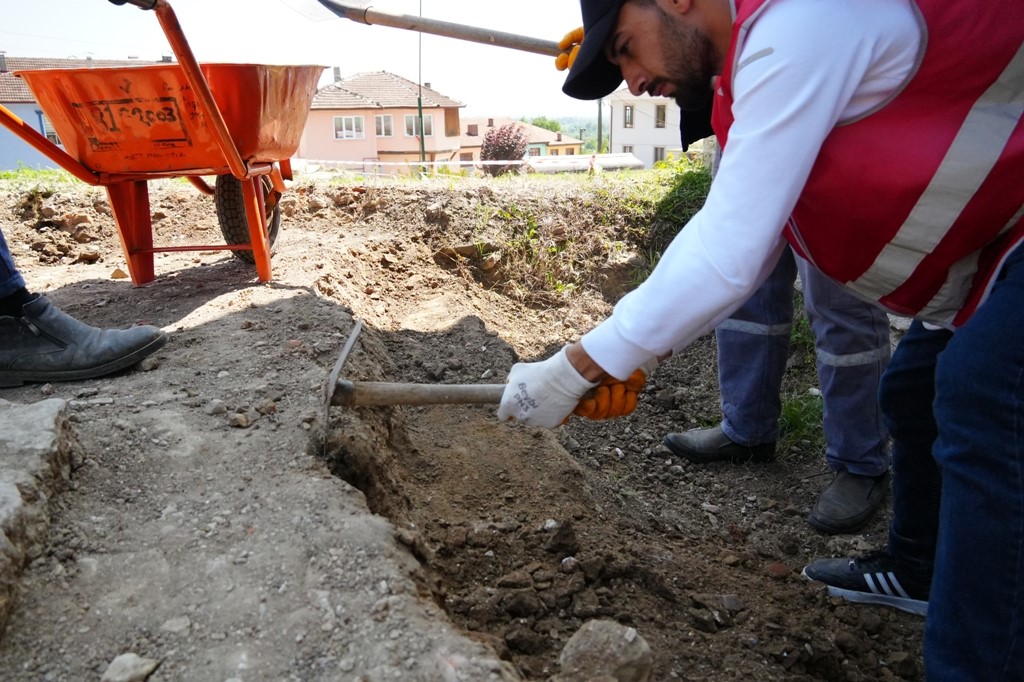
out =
column 675, row 6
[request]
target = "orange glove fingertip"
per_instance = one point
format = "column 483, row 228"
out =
column 572, row 56
column 636, row 381
column 585, row 408
column 617, row 402
column 572, row 37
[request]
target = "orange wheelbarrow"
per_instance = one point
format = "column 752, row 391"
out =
column 122, row 127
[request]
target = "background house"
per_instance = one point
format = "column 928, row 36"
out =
column 540, row 141
column 18, row 98
column 645, row 126
column 371, row 122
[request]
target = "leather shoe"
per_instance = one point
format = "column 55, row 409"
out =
column 46, row 344
column 848, row 503
column 712, row 445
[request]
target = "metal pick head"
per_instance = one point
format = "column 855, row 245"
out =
column 322, row 10
column 332, row 379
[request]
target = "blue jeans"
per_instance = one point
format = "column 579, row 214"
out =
column 958, row 501
column 852, row 348
column 10, row 278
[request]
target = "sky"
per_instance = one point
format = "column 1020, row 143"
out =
column 489, row 80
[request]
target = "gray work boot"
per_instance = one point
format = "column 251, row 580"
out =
column 848, row 503
column 712, row 445
column 45, row 344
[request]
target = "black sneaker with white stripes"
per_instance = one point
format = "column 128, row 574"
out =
column 871, row 579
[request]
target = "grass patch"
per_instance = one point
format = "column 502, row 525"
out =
column 560, row 232
column 39, row 180
column 801, row 423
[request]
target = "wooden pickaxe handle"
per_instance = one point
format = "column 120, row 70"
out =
column 367, row 393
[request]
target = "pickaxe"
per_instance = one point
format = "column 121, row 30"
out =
column 338, row 391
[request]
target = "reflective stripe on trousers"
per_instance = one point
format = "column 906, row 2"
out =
column 852, row 350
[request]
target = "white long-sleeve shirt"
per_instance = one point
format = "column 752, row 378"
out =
column 806, row 66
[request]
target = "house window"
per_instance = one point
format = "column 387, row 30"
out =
column 383, row 124
column 554, row 152
column 659, row 154
column 533, row 151
column 659, row 116
column 570, row 152
column 466, row 157
column 348, row 128
column 627, row 116
column 48, row 130
column 627, row 149
column 412, row 125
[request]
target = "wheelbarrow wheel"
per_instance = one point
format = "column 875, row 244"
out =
column 230, row 200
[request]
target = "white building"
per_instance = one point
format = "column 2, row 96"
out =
column 645, row 126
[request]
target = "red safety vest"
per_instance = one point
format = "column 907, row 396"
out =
column 917, row 204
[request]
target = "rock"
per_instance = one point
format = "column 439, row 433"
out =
column 149, row 364
column 523, row 604
column 37, row 449
column 732, row 603
column 903, row 664
column 240, row 420
column 129, row 668
column 563, row 541
column 604, row 649
column 177, row 625
column 215, row 406
column 515, row 579
column 703, row 620
column 849, row 643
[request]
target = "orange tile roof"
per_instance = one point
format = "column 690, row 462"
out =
column 378, row 90
column 14, row 89
column 534, row 134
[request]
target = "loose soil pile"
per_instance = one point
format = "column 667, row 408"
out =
column 522, row 535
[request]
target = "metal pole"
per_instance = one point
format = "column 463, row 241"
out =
column 419, row 98
column 368, row 15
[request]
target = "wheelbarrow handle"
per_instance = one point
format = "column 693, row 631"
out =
column 141, row 4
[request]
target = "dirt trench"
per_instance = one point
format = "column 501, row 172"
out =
column 521, row 534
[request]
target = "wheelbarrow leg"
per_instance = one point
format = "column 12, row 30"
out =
column 130, row 203
column 256, row 217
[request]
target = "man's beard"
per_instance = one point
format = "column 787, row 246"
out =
column 690, row 56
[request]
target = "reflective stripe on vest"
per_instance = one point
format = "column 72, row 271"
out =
column 917, row 204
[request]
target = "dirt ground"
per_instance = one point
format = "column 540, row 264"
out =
column 703, row 561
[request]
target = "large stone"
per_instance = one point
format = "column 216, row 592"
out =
column 36, row 450
column 605, row 650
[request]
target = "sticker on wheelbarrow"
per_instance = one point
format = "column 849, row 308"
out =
column 113, row 124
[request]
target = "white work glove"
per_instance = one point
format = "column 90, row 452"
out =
column 543, row 393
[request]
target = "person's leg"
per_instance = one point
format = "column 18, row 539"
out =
column 753, row 346
column 907, row 396
column 38, row 342
column 12, row 284
column 852, row 348
column 900, row 575
column 975, row 628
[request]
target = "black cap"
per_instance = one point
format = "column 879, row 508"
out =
column 592, row 76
